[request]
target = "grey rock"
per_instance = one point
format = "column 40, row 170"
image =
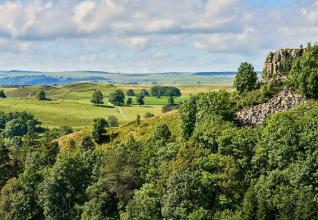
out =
column 273, row 62
column 283, row 101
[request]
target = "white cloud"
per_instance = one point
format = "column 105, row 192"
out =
column 138, row 42
column 92, row 16
column 86, row 31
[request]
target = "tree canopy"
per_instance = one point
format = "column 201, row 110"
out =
column 246, row 78
column 97, row 98
column 117, row 97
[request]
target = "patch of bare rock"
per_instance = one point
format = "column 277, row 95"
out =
column 282, row 101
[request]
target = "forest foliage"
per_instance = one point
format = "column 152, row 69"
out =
column 210, row 168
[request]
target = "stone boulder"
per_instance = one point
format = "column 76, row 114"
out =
column 282, row 101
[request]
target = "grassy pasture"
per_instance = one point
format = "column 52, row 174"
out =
column 70, row 104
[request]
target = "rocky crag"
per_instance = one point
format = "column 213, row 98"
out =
column 283, row 101
column 273, row 62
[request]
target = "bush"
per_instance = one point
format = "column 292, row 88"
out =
column 41, row 95
column 112, row 121
column 148, row 115
column 2, row 94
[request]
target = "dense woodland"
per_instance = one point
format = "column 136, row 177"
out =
column 210, row 167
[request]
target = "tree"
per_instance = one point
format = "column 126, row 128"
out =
column 146, row 204
column 102, row 202
column 162, row 132
column 187, row 117
column 87, row 143
column 170, row 101
column 112, row 121
column 303, row 76
column 117, row 97
column 6, row 196
column 186, row 192
column 215, row 103
column 140, row 100
column 97, row 98
column 122, row 170
column 2, row 94
column 129, row 101
column 246, row 78
column 15, row 127
column 41, row 95
column 5, row 165
column 130, row 92
column 99, row 130
column 145, row 92
column 63, row 187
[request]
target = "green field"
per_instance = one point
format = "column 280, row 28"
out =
column 70, row 104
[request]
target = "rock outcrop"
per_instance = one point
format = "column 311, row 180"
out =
column 257, row 114
column 273, row 62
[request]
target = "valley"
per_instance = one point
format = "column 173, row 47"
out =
column 70, row 104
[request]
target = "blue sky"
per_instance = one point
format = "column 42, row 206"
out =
column 150, row 35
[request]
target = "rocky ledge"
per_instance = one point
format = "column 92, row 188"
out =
column 255, row 115
column 273, row 62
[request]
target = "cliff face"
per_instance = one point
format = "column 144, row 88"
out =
column 273, row 62
column 281, row 102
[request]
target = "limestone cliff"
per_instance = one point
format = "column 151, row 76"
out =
column 273, row 62
column 282, row 101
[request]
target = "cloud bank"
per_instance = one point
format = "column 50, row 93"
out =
column 150, row 35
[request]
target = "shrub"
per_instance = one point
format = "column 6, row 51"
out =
column 2, row 94
column 112, row 121
column 148, row 115
column 40, row 95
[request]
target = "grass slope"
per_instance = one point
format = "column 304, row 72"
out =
column 141, row 132
column 70, row 104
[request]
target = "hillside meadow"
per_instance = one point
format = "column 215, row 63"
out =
column 70, row 104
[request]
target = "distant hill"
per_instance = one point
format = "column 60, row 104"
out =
column 19, row 77
column 47, row 80
column 214, row 73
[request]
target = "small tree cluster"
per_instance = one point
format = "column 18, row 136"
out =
column 117, row 97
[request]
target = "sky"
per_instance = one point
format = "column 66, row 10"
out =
column 150, row 35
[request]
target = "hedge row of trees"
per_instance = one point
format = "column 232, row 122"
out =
column 159, row 91
column 118, row 97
